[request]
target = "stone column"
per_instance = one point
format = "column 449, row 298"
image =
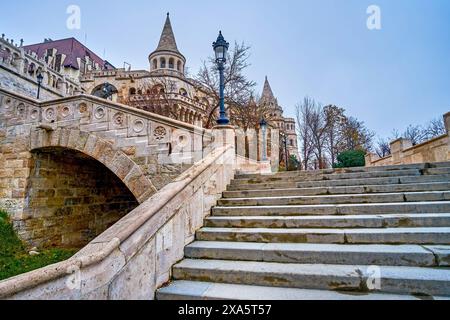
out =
column 447, row 128
column 224, row 136
column 370, row 158
column 397, row 147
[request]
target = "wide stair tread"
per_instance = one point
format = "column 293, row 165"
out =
column 394, row 279
column 196, row 290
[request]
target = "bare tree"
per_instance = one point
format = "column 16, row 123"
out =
column 383, row 148
column 335, row 121
column 155, row 96
column 238, row 88
column 435, row 128
column 415, row 133
column 303, row 116
column 357, row 136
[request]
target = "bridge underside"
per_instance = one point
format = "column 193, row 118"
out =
column 70, row 199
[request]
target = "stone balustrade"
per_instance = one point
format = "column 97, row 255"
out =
column 403, row 152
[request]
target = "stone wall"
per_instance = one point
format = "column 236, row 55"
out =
column 16, row 83
column 19, row 70
column 135, row 256
column 403, row 152
column 71, row 200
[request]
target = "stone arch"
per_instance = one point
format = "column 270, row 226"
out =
column 71, row 199
column 102, row 151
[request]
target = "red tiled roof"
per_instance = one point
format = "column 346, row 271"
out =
column 71, row 47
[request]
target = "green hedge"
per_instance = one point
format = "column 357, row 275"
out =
column 349, row 159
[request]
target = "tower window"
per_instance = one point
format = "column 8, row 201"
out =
column 163, row 63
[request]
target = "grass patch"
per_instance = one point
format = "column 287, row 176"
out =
column 14, row 256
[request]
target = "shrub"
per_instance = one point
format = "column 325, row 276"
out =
column 352, row 158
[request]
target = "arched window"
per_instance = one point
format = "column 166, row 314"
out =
column 155, row 64
column 163, row 63
column 171, row 63
column 31, row 69
column 132, row 91
column 179, row 65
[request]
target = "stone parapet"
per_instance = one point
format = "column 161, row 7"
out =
column 403, row 152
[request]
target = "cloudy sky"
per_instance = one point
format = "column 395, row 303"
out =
column 388, row 78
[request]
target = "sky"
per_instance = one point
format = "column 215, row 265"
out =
column 388, row 78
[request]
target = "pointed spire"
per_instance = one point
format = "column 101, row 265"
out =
column 267, row 93
column 167, row 41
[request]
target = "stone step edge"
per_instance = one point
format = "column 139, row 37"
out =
column 430, row 256
column 394, row 279
column 197, row 290
column 341, row 187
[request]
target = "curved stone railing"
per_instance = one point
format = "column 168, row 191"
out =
column 135, row 256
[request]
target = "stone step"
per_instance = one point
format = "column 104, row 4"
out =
column 349, row 221
column 338, row 199
column 195, row 290
column 391, row 188
column 334, row 176
column 420, row 166
column 339, row 183
column 392, row 279
column 335, row 209
column 430, row 236
column 389, row 255
column 425, row 167
column 436, row 171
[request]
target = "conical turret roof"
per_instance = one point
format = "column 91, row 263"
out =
column 167, row 41
column 267, row 94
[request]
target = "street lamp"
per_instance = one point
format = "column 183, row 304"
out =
column 263, row 125
column 221, row 49
column 40, row 77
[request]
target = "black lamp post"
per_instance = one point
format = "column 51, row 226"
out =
column 263, row 125
column 40, row 77
column 221, row 49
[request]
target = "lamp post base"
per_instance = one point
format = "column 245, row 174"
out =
column 223, row 122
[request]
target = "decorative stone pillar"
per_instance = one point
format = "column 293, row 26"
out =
column 370, row 158
column 447, row 128
column 224, row 136
column 397, row 147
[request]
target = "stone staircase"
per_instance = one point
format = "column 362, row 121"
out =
column 360, row 233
